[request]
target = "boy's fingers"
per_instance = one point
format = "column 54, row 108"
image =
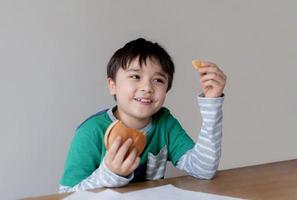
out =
column 207, row 67
column 213, row 76
column 121, row 153
column 213, row 84
column 129, row 160
column 111, row 153
column 135, row 164
column 207, row 64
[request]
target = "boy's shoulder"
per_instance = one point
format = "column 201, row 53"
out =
column 165, row 116
column 96, row 120
column 163, row 113
column 163, row 110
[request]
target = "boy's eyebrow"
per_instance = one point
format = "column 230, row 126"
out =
column 132, row 70
column 138, row 70
column 162, row 74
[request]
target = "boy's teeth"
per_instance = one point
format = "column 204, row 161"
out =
column 144, row 100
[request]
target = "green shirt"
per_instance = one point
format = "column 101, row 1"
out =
column 87, row 149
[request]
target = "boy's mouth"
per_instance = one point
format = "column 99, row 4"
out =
column 143, row 100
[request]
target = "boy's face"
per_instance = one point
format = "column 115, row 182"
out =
column 140, row 91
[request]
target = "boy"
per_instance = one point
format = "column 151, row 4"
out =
column 138, row 76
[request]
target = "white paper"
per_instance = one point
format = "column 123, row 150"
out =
column 81, row 195
column 104, row 195
column 166, row 192
column 109, row 195
column 170, row 192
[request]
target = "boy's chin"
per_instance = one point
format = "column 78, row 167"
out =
column 143, row 116
column 146, row 114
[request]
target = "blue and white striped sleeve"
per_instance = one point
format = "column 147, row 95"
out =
column 102, row 177
column 203, row 160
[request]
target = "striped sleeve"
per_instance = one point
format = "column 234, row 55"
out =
column 203, row 160
column 102, row 177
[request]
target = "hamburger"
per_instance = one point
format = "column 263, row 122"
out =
column 117, row 128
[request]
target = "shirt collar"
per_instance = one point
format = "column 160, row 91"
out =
column 113, row 118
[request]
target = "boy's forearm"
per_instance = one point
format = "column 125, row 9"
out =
column 102, row 177
column 203, row 160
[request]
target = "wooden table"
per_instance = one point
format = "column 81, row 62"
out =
column 267, row 181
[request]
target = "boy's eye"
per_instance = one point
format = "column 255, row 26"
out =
column 134, row 76
column 159, row 80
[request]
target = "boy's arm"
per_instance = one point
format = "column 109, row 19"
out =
column 202, row 161
column 102, row 177
column 84, row 168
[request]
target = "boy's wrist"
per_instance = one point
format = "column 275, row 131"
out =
column 206, row 102
column 202, row 95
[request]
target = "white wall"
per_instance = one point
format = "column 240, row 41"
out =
column 53, row 59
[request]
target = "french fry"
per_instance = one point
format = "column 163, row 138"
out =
column 196, row 64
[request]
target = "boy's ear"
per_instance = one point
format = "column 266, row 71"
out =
column 111, row 86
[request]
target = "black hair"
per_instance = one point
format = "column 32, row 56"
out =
column 142, row 49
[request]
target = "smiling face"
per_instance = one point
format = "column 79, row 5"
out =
column 140, row 92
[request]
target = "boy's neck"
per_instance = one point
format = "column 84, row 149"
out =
column 132, row 122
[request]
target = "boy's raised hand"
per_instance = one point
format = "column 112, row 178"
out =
column 116, row 159
column 212, row 79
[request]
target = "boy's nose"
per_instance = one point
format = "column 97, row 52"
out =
column 147, row 87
